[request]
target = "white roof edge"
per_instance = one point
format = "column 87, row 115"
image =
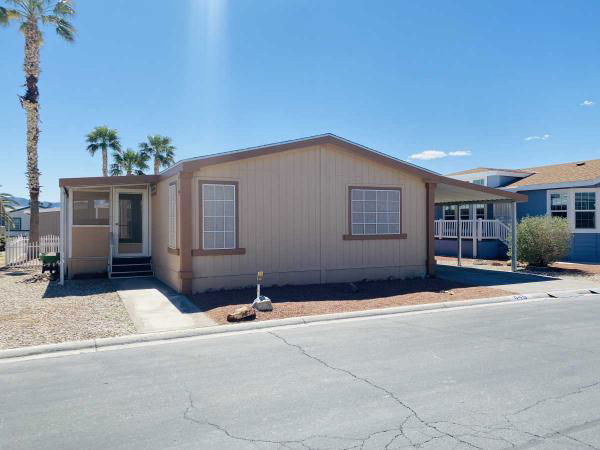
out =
column 293, row 141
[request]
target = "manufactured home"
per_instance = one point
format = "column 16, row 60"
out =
column 313, row 210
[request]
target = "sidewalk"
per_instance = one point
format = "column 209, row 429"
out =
column 153, row 306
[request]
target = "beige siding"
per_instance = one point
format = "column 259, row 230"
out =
column 293, row 213
column 90, row 249
column 166, row 265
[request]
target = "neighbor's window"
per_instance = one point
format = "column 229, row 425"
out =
column 16, row 224
column 375, row 211
column 480, row 211
column 558, row 205
column 218, row 216
column 465, row 213
column 173, row 215
column 91, row 207
column 449, row 213
column 480, row 181
column 585, row 210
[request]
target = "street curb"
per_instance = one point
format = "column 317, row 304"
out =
column 100, row 344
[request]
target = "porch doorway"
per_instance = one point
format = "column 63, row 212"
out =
column 131, row 222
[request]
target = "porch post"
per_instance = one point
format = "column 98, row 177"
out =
column 62, row 234
column 430, row 217
column 184, row 223
column 459, row 235
column 513, row 240
column 474, row 232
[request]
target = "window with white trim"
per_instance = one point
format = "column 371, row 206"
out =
column 173, row 215
column 558, row 204
column 585, row 210
column 480, row 181
column 449, row 213
column 375, row 211
column 218, row 216
column 480, row 211
column 465, row 212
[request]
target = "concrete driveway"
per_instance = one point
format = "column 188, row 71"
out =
column 516, row 282
column 153, row 306
column 524, row 375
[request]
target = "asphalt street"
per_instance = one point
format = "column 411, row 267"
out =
column 523, row 375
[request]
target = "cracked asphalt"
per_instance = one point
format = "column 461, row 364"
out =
column 523, row 375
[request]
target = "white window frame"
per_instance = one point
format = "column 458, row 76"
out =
column 550, row 210
column 479, row 181
column 571, row 208
column 172, row 217
column 449, row 208
column 575, row 211
column 234, row 246
column 485, row 208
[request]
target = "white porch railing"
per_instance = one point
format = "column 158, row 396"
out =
column 20, row 253
column 472, row 229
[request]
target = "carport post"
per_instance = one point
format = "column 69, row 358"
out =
column 459, row 235
column 513, row 239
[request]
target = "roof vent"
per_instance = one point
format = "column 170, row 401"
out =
column 581, row 163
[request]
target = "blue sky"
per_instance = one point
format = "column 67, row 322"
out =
column 403, row 77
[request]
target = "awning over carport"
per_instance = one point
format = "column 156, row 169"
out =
column 448, row 191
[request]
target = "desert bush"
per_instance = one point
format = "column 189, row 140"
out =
column 542, row 240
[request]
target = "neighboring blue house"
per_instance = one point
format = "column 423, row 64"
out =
column 566, row 190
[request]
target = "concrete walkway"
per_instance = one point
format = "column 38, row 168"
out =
column 518, row 283
column 153, row 306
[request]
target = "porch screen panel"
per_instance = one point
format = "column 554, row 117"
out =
column 91, row 207
column 173, row 215
column 375, row 211
column 218, row 216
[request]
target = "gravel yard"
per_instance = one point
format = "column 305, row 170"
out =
column 43, row 312
column 293, row 301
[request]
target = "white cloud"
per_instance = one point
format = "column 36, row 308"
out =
column 544, row 137
column 587, row 103
column 460, row 153
column 437, row 154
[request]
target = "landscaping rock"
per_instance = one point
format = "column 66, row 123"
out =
column 262, row 304
column 242, row 313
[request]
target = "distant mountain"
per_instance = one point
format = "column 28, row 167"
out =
column 21, row 202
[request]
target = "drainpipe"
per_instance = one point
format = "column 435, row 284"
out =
column 513, row 230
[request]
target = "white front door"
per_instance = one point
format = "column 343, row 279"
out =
column 130, row 227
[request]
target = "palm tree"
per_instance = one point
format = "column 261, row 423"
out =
column 103, row 138
column 160, row 148
column 6, row 205
column 30, row 14
column 130, row 162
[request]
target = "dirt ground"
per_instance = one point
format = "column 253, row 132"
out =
column 43, row 312
column 294, row 301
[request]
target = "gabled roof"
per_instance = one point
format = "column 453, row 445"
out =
column 487, row 169
column 192, row 164
column 572, row 172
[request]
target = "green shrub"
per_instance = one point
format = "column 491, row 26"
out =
column 542, row 240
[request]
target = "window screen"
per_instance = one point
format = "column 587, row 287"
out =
column 91, row 207
column 173, row 215
column 375, row 211
column 218, row 216
column 585, row 210
column 558, row 205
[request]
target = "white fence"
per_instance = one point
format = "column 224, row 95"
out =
column 20, row 253
column 483, row 229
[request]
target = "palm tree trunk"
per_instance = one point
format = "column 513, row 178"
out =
column 156, row 166
column 104, row 162
column 30, row 104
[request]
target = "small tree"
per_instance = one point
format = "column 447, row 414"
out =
column 542, row 240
